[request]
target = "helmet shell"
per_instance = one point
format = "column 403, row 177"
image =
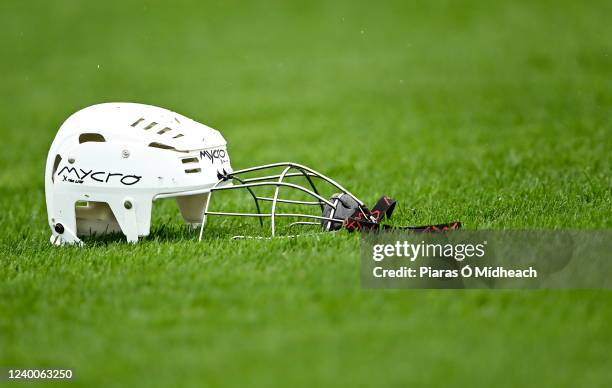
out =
column 108, row 162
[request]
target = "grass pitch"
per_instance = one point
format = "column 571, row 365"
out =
column 497, row 115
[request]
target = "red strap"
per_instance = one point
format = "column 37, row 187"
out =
column 384, row 207
column 364, row 220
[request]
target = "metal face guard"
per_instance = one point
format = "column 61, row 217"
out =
column 277, row 181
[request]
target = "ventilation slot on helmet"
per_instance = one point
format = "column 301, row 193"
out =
column 150, row 125
column 177, row 136
column 193, row 170
column 164, row 131
column 56, row 163
column 189, row 160
column 137, row 122
column 91, row 137
column 164, row 147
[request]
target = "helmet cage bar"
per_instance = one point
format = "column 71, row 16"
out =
column 255, row 198
column 277, row 181
column 302, row 169
column 303, row 223
column 285, row 173
column 268, row 199
column 268, row 177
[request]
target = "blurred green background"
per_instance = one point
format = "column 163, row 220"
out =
column 496, row 114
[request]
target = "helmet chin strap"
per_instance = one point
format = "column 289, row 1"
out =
column 371, row 220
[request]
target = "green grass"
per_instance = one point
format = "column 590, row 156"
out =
column 494, row 114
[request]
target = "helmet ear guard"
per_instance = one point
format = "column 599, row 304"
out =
column 76, row 218
column 192, row 207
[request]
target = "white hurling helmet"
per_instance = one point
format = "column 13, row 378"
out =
column 109, row 162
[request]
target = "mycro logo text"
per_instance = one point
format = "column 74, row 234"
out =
column 212, row 155
column 78, row 175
